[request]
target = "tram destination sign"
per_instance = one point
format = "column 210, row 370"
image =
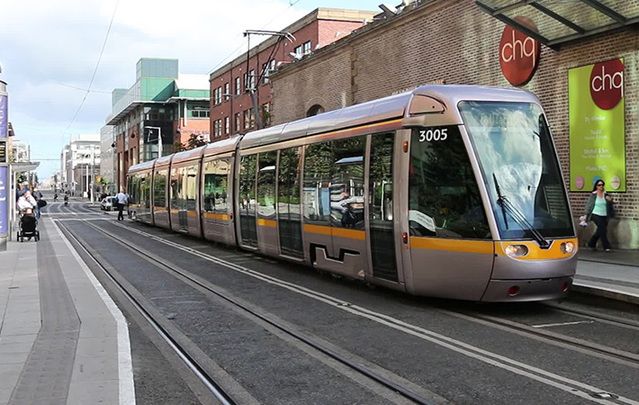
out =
column 597, row 127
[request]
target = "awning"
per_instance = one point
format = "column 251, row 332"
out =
column 560, row 21
column 22, row 167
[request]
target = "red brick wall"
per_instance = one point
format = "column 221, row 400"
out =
column 320, row 32
column 458, row 43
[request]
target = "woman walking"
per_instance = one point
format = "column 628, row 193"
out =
column 600, row 209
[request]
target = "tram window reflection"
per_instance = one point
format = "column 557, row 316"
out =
column 317, row 179
column 159, row 189
column 444, row 198
column 216, row 174
column 190, row 187
column 266, row 184
column 347, row 183
column 515, row 151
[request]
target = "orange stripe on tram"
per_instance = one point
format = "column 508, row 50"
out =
column 333, row 231
column 452, row 245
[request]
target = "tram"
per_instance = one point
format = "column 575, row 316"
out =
column 450, row 191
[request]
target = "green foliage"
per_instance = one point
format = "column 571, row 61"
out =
column 193, row 142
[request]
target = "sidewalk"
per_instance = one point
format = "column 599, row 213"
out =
column 62, row 339
column 614, row 275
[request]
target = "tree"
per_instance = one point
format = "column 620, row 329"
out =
column 194, row 141
column 178, row 146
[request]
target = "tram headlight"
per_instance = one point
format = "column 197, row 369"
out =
column 567, row 247
column 516, row 250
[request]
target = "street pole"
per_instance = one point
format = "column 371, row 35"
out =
column 256, row 78
column 5, row 172
column 159, row 139
column 92, row 173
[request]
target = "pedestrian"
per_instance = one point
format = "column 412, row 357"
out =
column 600, row 209
column 121, row 199
column 22, row 189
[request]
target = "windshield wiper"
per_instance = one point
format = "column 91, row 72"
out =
column 507, row 206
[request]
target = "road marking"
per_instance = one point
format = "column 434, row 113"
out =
column 550, row 325
column 125, row 365
column 571, row 386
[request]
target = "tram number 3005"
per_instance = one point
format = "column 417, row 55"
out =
column 433, row 134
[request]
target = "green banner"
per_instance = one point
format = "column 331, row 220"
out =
column 597, row 127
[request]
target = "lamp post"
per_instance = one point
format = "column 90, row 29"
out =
column 92, row 187
column 5, row 193
column 159, row 129
column 255, row 81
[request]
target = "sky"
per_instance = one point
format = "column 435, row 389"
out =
column 52, row 52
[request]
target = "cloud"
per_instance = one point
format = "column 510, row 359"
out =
column 49, row 50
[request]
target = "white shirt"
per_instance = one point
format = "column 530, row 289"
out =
column 25, row 203
column 122, row 198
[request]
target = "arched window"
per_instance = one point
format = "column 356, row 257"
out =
column 314, row 110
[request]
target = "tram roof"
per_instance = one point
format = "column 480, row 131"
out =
column 404, row 105
column 163, row 161
column 222, row 146
column 187, row 155
column 140, row 167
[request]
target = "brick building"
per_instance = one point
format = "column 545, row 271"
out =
column 163, row 107
column 231, row 103
column 459, row 42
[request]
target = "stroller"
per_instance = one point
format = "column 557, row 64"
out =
column 28, row 226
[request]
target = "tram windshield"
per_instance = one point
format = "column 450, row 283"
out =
column 520, row 169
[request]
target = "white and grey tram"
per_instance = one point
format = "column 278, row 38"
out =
column 444, row 191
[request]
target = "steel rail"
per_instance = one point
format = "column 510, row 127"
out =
column 589, row 348
column 362, row 369
column 597, row 316
column 597, row 395
column 190, row 363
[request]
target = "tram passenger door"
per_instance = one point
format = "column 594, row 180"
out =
column 266, row 216
column 246, row 201
column 289, row 213
column 381, row 215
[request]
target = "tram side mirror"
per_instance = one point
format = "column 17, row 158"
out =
column 421, row 104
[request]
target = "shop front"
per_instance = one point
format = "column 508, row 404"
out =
column 579, row 58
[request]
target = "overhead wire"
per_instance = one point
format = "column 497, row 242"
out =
column 97, row 65
column 231, row 55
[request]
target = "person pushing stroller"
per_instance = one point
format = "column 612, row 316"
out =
column 28, row 223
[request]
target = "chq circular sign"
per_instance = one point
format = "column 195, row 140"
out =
column 518, row 53
column 606, row 83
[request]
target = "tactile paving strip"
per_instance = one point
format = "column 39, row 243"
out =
column 46, row 375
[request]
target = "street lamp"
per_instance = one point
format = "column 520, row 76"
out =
column 159, row 129
column 253, row 83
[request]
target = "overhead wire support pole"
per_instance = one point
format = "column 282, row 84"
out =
column 251, row 85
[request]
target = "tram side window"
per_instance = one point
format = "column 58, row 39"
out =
column 176, row 187
column 159, row 188
column 316, row 197
column 189, row 178
column 444, row 199
column 288, row 183
column 145, row 194
column 347, row 183
column 130, row 186
column 216, row 174
column 266, row 184
column 247, row 184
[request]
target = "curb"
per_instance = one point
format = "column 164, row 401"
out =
column 611, row 294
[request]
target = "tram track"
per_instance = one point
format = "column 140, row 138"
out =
column 382, row 377
column 192, row 364
column 603, row 352
column 576, row 388
column 597, row 316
